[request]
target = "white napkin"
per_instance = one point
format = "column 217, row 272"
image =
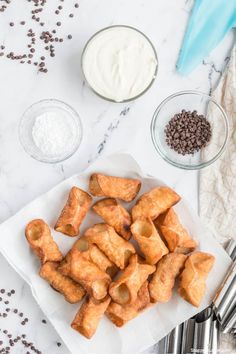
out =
column 146, row 329
column 218, row 182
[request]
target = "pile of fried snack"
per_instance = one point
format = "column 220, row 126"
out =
column 103, row 264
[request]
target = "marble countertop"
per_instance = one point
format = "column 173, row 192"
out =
column 108, row 127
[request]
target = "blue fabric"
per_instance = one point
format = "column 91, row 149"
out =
column 209, row 22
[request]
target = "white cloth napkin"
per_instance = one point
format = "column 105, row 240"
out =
column 217, row 191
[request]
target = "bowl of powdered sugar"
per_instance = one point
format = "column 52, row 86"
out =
column 50, row 131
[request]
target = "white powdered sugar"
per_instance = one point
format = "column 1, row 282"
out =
column 53, row 133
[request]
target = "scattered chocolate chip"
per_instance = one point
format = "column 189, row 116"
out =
column 44, row 321
column 47, row 36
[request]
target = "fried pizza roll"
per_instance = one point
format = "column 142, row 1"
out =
column 155, row 202
column 162, row 283
column 40, row 240
column 149, row 240
column 120, row 315
column 125, row 289
column 115, row 215
column 192, row 284
column 86, row 273
column 72, row 291
column 92, row 253
column 89, row 315
column 74, row 212
column 176, row 236
column 114, row 187
column 115, row 247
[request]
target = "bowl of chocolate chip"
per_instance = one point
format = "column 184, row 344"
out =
column 190, row 130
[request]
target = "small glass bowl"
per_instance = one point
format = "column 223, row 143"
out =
column 27, row 123
column 151, row 82
column 203, row 104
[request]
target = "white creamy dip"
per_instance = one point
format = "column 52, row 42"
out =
column 119, row 63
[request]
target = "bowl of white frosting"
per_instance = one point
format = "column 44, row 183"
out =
column 119, row 63
column 50, row 131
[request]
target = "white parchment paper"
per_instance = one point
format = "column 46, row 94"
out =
column 146, row 329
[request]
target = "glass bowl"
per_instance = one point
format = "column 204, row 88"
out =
column 84, row 53
column 203, row 104
column 71, row 119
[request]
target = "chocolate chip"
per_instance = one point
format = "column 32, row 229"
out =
column 187, row 132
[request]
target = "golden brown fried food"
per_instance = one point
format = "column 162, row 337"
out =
column 125, row 289
column 115, row 215
column 162, row 283
column 114, row 187
column 72, row 291
column 93, row 254
column 176, row 236
column 120, row 315
column 115, row 247
column 74, row 212
column 89, row 315
column 86, row 273
column 155, row 202
column 149, row 240
column 192, row 285
column 40, row 240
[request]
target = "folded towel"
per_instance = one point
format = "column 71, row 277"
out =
column 217, row 189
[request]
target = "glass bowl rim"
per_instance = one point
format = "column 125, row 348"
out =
column 155, row 73
column 165, row 157
column 75, row 115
